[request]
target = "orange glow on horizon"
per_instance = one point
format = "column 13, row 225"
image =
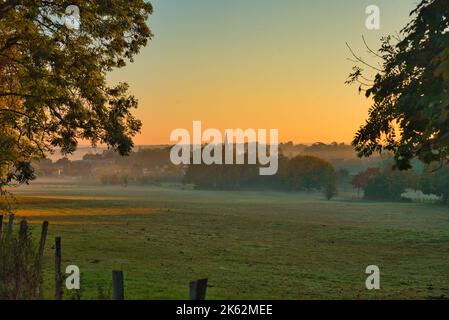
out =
column 274, row 65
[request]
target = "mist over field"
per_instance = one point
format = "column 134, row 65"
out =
column 250, row 245
column 140, row 215
column 156, row 150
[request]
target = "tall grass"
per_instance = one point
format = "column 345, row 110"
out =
column 20, row 270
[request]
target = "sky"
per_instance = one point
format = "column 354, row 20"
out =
column 261, row 64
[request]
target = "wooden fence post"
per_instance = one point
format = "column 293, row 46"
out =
column 58, row 273
column 1, row 225
column 40, row 252
column 118, row 291
column 198, row 289
column 23, row 230
column 10, row 222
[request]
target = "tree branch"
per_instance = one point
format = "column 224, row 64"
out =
column 361, row 60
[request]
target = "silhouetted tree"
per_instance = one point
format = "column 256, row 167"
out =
column 53, row 88
column 410, row 90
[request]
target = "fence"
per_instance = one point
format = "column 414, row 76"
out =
column 197, row 289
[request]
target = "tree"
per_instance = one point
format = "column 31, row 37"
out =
column 302, row 173
column 436, row 182
column 360, row 181
column 410, row 92
column 53, row 89
column 383, row 188
column 308, row 173
column 226, row 176
column 343, row 175
column 330, row 189
column 386, row 184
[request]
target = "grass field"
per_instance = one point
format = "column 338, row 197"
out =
column 251, row 245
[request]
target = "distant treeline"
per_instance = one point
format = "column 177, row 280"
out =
column 146, row 166
column 301, row 173
column 153, row 165
column 304, row 172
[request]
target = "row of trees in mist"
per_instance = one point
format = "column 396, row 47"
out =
column 301, row 173
column 153, row 165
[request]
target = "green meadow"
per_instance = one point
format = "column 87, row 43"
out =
column 250, row 245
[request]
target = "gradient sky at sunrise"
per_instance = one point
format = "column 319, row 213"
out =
column 256, row 64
